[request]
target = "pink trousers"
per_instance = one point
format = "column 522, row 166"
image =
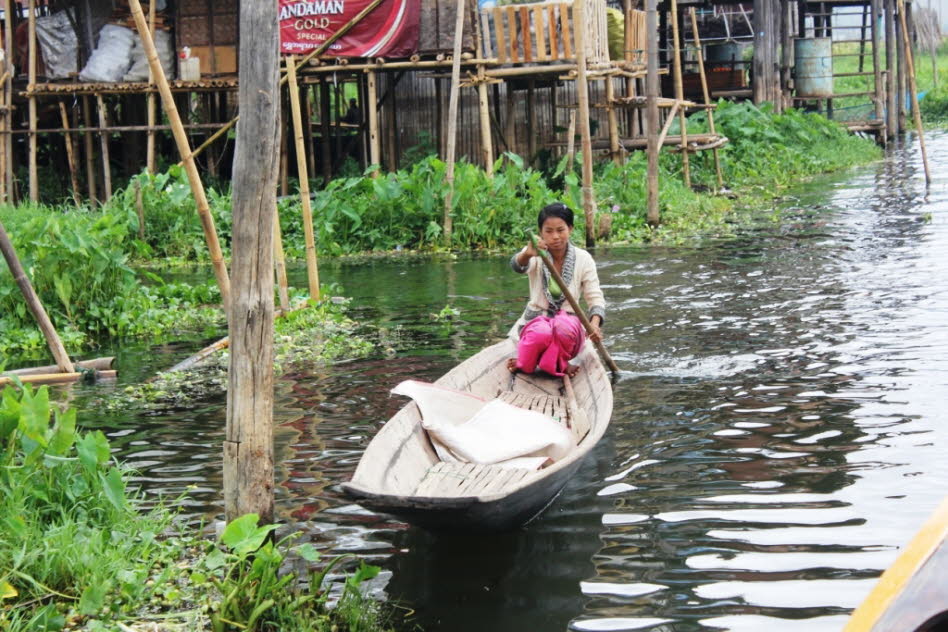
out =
column 549, row 344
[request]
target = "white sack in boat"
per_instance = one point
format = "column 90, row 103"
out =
column 478, row 431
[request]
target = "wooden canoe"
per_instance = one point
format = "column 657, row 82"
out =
column 400, row 473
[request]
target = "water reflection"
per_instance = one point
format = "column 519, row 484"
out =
column 775, row 435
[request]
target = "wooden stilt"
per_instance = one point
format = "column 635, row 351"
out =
column 453, row 120
column 879, row 84
column 531, row 120
column 375, row 149
column 582, row 92
column 900, row 81
column 325, row 114
column 283, row 173
column 571, row 142
column 391, row 127
column 150, row 100
column 33, row 303
column 680, row 94
column 487, row 147
column 312, row 268
column 614, row 147
column 7, row 173
column 910, row 66
column 892, row 117
column 184, row 148
column 279, row 263
column 4, row 131
column 306, row 104
column 31, row 86
column 707, row 94
column 510, row 120
column 70, row 156
column 104, row 140
column 248, row 443
column 90, row 150
column 651, row 115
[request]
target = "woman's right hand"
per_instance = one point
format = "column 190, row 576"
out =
column 530, row 251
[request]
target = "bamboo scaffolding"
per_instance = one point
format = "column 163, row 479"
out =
column 312, row 268
column 104, row 140
column 34, row 304
column 181, row 138
column 90, row 150
column 910, row 66
column 614, row 147
column 70, row 156
column 487, row 148
column 680, row 95
column 453, row 120
column 375, row 149
column 582, row 92
column 150, row 100
column 706, row 93
column 651, row 113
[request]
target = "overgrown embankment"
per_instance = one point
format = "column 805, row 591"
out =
column 79, row 549
column 89, row 265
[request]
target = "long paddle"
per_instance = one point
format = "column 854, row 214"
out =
column 575, row 305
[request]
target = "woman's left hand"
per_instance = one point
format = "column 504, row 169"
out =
column 596, row 334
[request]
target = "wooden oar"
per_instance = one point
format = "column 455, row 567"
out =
column 576, row 308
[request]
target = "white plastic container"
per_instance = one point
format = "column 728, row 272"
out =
column 189, row 69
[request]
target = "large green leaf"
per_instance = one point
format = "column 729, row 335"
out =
column 114, row 486
column 243, row 535
column 93, row 450
column 64, row 433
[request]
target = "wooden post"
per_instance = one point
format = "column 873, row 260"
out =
column 279, row 260
column 4, row 130
column 31, row 86
column 487, row 146
column 900, row 65
column 375, row 149
column 33, row 302
column 614, row 148
column 70, row 156
column 763, row 51
column 651, row 115
column 680, row 95
column 571, row 142
column 7, row 174
column 582, row 92
column 892, row 118
column 150, row 100
column 707, row 94
column 910, row 66
column 879, row 99
column 531, row 121
column 90, row 150
column 104, row 140
column 248, row 445
column 325, row 123
column 453, row 120
column 510, row 119
column 312, row 268
column 184, row 148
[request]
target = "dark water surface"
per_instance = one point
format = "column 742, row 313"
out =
column 775, row 436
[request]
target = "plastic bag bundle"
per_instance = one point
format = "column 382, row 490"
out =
column 139, row 69
column 112, row 57
column 57, row 42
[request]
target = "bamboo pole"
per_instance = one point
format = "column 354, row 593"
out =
column 582, row 92
column 57, row 378
column 879, row 85
column 184, row 148
column 33, row 303
column 375, row 149
column 96, row 364
column 7, row 173
column 651, row 117
column 680, row 95
column 706, row 93
column 312, row 268
column 31, row 73
column 453, row 120
column 279, row 260
column 4, row 120
column 150, row 99
column 613, row 123
column 325, row 123
column 104, row 140
column 90, row 151
column 487, row 146
column 910, row 65
column 70, row 156
column 571, row 142
column 668, row 123
column 892, row 118
column 248, row 444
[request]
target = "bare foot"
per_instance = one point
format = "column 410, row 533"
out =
column 572, row 370
column 512, row 365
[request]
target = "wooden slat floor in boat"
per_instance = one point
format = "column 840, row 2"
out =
column 548, row 405
column 458, row 480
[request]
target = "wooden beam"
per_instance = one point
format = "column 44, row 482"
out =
column 248, row 444
column 453, row 120
column 184, row 148
column 312, row 267
column 582, row 92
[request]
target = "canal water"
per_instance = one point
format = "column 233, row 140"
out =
column 776, row 434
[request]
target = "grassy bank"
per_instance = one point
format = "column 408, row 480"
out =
column 78, row 550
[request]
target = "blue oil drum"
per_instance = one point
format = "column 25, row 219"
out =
column 813, row 67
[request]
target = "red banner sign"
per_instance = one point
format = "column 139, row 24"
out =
column 389, row 30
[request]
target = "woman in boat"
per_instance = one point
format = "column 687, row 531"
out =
column 550, row 333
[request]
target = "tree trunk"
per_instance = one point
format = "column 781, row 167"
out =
column 248, row 446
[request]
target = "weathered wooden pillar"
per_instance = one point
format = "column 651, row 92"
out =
column 582, row 93
column 879, row 84
column 651, row 117
column 891, row 45
column 487, row 146
column 248, row 446
column 325, row 124
column 900, row 78
column 764, row 50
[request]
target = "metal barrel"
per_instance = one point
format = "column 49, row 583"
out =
column 722, row 55
column 813, row 67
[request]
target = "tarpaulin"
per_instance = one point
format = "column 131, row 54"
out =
column 389, row 30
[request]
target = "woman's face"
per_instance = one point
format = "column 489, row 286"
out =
column 555, row 234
